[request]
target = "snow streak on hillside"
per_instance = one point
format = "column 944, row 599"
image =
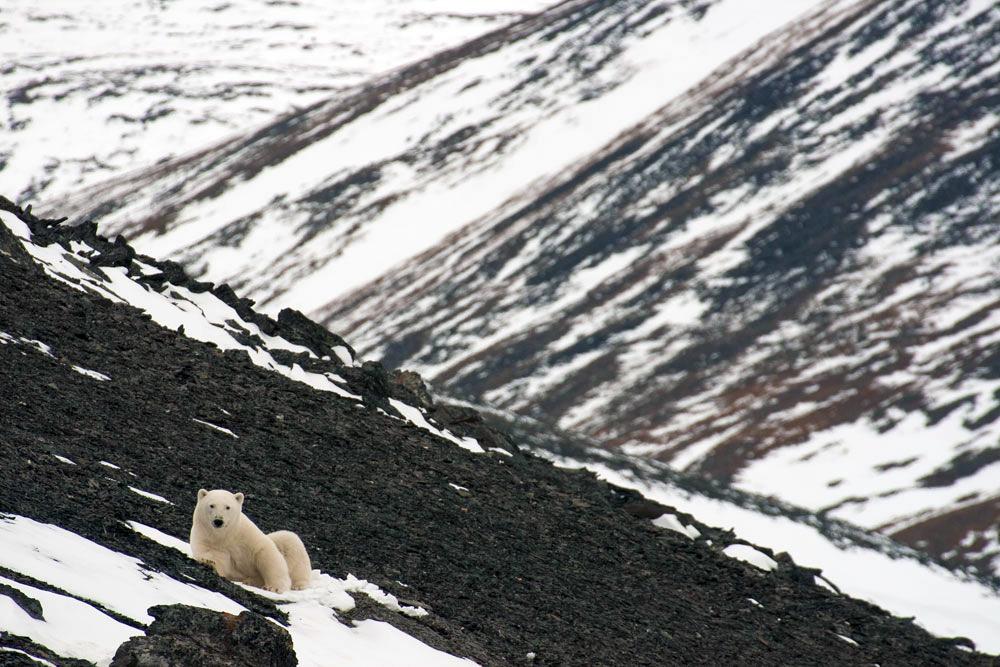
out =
column 94, row 89
column 327, row 199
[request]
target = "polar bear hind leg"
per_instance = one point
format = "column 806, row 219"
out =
column 299, row 566
column 272, row 568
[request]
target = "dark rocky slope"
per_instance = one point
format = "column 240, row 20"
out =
column 530, row 559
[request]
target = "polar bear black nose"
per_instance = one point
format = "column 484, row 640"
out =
column 217, row 523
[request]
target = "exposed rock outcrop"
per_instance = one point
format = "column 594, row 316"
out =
column 184, row 635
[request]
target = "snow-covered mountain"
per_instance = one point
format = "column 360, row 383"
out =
column 786, row 278
column 91, row 90
column 436, row 540
column 394, row 166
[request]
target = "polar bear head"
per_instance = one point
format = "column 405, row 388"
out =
column 219, row 509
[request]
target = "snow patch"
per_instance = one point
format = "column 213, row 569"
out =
column 749, row 554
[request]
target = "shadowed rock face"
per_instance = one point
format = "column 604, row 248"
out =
column 530, row 559
column 184, row 635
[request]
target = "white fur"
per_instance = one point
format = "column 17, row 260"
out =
column 225, row 538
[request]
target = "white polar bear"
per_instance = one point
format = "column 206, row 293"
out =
column 225, row 538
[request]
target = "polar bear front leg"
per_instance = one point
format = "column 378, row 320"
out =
column 220, row 561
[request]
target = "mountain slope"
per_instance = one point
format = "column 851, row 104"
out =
column 116, row 420
column 771, row 262
column 91, row 91
column 294, row 211
column 786, row 278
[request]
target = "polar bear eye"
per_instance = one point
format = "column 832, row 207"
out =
column 227, row 507
column 211, row 507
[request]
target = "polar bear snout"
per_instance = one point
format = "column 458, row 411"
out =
column 218, row 523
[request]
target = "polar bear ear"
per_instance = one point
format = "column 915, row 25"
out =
column 202, row 493
column 239, row 497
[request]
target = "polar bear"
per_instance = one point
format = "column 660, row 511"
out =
column 225, row 538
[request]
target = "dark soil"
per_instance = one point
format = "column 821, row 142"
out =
column 531, row 560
